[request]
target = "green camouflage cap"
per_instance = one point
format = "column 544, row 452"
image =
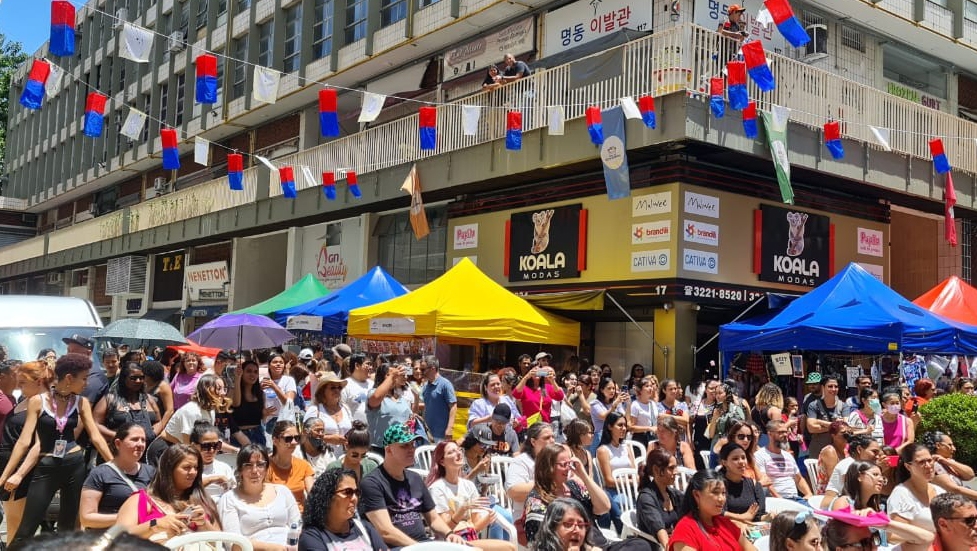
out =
column 398, row 433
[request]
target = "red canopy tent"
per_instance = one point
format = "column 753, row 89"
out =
column 953, row 299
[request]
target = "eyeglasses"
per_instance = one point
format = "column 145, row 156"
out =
column 969, row 521
column 347, row 493
column 260, row 465
column 744, row 437
column 211, row 446
column 291, row 439
column 871, row 542
column 137, row 377
column 570, row 525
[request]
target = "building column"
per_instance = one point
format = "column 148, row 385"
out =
column 675, row 337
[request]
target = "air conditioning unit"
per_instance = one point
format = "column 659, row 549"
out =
column 55, row 278
column 121, row 16
column 126, row 276
column 817, row 47
column 162, row 186
column 177, row 42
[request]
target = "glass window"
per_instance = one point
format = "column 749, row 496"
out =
column 408, row 260
column 221, row 12
column 163, row 101
column 293, row 38
column 243, row 5
column 147, row 107
column 970, row 10
column 201, row 15
column 181, row 88
column 356, row 11
column 266, row 39
column 240, row 68
column 392, row 11
column 322, row 28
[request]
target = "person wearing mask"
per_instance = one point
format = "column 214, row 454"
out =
column 109, row 485
column 329, row 407
column 313, row 447
column 440, row 403
column 330, row 520
column 898, row 430
column 821, row 412
column 659, row 503
column 955, row 517
column 218, row 477
column 866, row 418
column 786, row 480
column 358, row 386
column 910, row 499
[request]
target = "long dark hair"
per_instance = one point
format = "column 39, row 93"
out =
column 123, row 390
column 543, row 473
column 658, row 458
column 547, row 538
column 256, row 386
column 700, row 482
column 162, row 485
column 604, row 382
column 532, row 433
column 606, row 436
column 853, row 487
column 319, row 500
column 906, row 456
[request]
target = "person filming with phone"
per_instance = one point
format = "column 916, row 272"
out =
column 537, row 389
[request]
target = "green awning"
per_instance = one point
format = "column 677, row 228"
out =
column 589, row 299
column 306, row 289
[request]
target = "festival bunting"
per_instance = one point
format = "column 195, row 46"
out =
column 646, row 104
column 135, row 121
column 62, row 43
column 235, row 171
column 630, row 108
column 372, row 105
column 787, row 23
column 53, row 85
column 832, row 139
column 949, row 218
column 329, row 185
column 136, row 43
column 287, row 178
column 775, row 127
column 94, row 114
column 418, row 216
column 739, row 96
column 353, row 183
column 614, row 155
column 749, row 121
column 201, row 151
column 206, row 90
column 717, row 103
column 595, row 126
column 556, row 119
column 427, row 122
column 328, row 113
column 266, row 82
column 756, row 65
column 33, row 94
column 513, row 130
column 881, row 136
column 470, row 115
column 310, row 179
column 940, row 162
column 171, row 155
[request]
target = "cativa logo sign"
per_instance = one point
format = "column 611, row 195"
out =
column 795, row 247
column 546, row 244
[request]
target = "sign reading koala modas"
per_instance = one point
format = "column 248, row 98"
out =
column 795, row 247
column 545, row 244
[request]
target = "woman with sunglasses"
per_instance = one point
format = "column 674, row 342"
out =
column 840, row 536
column 910, row 499
column 795, row 531
column 218, row 476
column 128, row 403
column 313, row 447
column 357, row 446
column 949, row 473
column 261, row 511
column 110, row 484
column 704, row 526
column 284, row 468
column 659, row 503
column 565, row 527
column 668, row 431
column 329, row 407
column 741, row 433
column 330, row 521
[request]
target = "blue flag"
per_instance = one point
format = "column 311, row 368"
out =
column 614, row 154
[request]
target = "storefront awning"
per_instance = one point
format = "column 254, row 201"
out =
column 161, row 314
column 588, row 299
column 211, row 311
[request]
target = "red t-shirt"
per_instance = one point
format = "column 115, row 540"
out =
column 722, row 536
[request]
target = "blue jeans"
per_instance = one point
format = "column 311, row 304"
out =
column 495, row 531
column 614, row 515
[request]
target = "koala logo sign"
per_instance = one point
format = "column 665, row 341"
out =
column 795, row 246
column 545, row 244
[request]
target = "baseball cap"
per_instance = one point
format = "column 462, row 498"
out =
column 306, row 354
column 502, row 413
column 80, row 340
column 735, row 8
column 398, row 433
column 813, row 378
column 542, row 355
column 225, row 355
column 342, row 350
column 483, row 435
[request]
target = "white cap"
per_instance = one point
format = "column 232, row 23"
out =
column 306, row 354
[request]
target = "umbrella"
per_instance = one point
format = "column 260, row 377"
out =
column 140, row 332
column 196, row 349
column 241, row 331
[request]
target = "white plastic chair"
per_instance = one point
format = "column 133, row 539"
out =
column 626, row 482
column 815, row 501
column 682, row 477
column 498, row 466
column 811, row 465
column 422, row 456
column 509, row 529
column 779, row 505
column 762, row 544
column 639, row 450
column 436, row 546
column 376, row 457
column 706, row 456
column 422, row 472
column 211, row 538
column 630, row 521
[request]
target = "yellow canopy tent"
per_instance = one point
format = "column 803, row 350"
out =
column 462, row 305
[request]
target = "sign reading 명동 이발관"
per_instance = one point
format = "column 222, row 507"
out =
column 795, row 247
column 544, row 243
column 585, row 20
column 478, row 54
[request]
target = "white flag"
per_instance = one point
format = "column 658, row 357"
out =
column 267, row 163
column 881, row 136
column 372, row 104
column 309, row 177
column 763, row 18
column 469, row 119
column 630, row 108
column 134, row 124
column 266, row 83
column 136, row 43
column 556, row 116
column 201, row 151
column 53, row 84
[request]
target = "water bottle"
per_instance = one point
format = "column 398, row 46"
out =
column 293, row 535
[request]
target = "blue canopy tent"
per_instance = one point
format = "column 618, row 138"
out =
column 853, row 312
column 371, row 288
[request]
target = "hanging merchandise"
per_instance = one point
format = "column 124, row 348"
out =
column 787, row 23
column 62, row 43
column 646, row 104
column 749, row 121
column 94, row 114
column 33, row 94
column 513, row 130
column 171, row 155
column 594, row 125
column 206, row 90
column 940, row 162
column 235, row 171
column 287, row 178
column 717, row 104
column 756, row 65
column 353, row 184
column 949, row 218
column 329, row 185
column 739, row 96
column 328, row 115
column 832, row 139
column 427, row 121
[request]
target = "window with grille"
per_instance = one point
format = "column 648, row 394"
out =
column 322, row 28
column 392, row 11
column 293, row 38
column 408, row 260
column 240, row 67
column 266, row 39
column 163, row 101
column 966, row 268
column 356, row 11
column 852, row 38
column 181, row 88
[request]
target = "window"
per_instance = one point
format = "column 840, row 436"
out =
column 852, row 38
column 243, row 5
column 240, row 68
column 185, row 18
column 356, row 11
column 293, row 38
column 201, row 15
column 266, row 41
column 392, row 11
column 426, row 3
column 322, row 28
column 221, row 12
column 408, row 260
column 163, row 101
column 147, row 107
column 970, row 10
column 181, row 88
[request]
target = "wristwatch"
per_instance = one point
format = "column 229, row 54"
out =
column 152, row 524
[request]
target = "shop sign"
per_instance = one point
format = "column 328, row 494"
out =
column 914, row 95
column 545, row 244
column 651, row 203
column 651, row 261
column 874, row 269
column 466, row 236
column 701, row 232
column 702, row 205
column 585, row 20
column 392, row 326
column 651, row 232
column 795, row 247
column 869, row 242
column 209, row 276
column 168, row 276
column 700, row 261
column 304, row 323
column 330, row 266
column 489, row 50
column 717, row 291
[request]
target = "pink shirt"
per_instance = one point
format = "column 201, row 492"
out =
column 529, row 400
column 183, row 388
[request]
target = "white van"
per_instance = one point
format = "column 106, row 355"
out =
column 30, row 323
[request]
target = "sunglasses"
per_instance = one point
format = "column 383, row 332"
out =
column 291, row 439
column 871, row 542
column 211, row 446
column 969, row 521
column 744, row 437
column 347, row 493
column 137, row 377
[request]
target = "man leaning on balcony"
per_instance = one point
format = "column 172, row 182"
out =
column 514, row 70
column 734, row 27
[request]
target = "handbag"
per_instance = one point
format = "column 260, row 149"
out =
column 538, row 416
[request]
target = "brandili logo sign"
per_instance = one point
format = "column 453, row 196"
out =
column 795, row 247
column 545, row 244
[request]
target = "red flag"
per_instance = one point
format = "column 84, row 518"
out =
column 950, row 195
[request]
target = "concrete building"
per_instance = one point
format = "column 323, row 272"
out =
column 680, row 257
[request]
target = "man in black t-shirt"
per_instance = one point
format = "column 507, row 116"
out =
column 821, row 412
column 514, row 70
column 395, row 500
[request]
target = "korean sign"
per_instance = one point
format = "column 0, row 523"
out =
column 585, row 20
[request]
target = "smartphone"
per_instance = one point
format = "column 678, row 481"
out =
column 915, row 406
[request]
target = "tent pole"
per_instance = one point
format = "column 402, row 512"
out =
column 664, row 349
column 696, row 349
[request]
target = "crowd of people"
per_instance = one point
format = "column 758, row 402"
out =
column 319, row 450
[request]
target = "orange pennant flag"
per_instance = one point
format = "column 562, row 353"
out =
column 418, row 216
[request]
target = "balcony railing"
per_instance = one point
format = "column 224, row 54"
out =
column 678, row 60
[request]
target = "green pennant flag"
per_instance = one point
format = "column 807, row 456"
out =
column 775, row 127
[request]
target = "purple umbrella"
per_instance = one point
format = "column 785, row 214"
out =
column 241, row 332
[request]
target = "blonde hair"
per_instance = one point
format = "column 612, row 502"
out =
column 770, row 395
column 38, row 372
